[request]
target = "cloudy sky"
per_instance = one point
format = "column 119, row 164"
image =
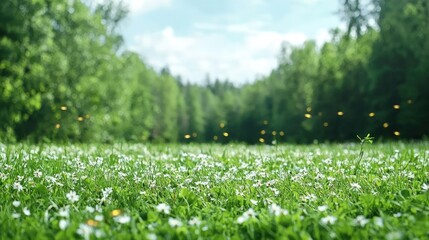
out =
column 237, row 40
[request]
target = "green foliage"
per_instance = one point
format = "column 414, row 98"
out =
column 64, row 79
column 128, row 191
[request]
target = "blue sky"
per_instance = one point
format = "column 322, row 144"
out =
column 234, row 39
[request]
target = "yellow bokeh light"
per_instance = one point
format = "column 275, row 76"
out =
column 63, row 108
column 261, row 140
column 115, row 212
column 92, row 223
column 282, row 133
column 274, row 133
column 385, row 125
column 225, row 134
column 187, row 136
column 396, row 106
column 371, row 114
column 307, row 115
column 325, row 124
column 397, row 133
column 80, row 119
column 340, row 113
column 262, row 132
column 222, row 125
column 308, row 109
column 215, row 138
column 57, row 125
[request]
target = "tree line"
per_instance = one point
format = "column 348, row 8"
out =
column 63, row 77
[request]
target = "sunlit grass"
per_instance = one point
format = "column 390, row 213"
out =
column 214, row 191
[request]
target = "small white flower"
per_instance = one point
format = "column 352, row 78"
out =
column 398, row 214
column 355, row 186
column 122, row 219
column 72, row 196
column 250, row 213
column 242, row 219
column 328, row 220
column 38, row 173
column 99, row 218
column 16, row 203
column 17, row 186
column 394, row 235
column 254, row 202
column 85, row 231
column 360, row 221
column 194, row 221
column 276, row 210
column 63, row 224
column 322, row 208
column 425, row 187
column 173, row 222
column 163, row 208
column 89, row 209
column 64, row 212
column 151, row 236
column 99, row 233
column 378, row 221
column 26, row 211
column 16, row 215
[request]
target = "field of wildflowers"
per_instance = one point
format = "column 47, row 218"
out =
column 214, row 191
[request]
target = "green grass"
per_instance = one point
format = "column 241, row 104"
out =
column 214, row 191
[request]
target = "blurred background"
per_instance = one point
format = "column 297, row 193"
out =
column 213, row 71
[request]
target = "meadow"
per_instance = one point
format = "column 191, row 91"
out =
column 136, row 191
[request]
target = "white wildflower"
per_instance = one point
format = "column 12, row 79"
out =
column 276, row 210
column 425, row 187
column 123, row 219
column 247, row 215
column 322, row 208
column 360, row 221
column 173, row 222
column 38, row 173
column 328, row 220
column 151, row 236
column 26, row 211
column 64, row 212
column 63, row 224
column 17, row 186
column 378, row 221
column 85, row 231
column 16, row 203
column 163, row 208
column 355, row 186
column 194, row 221
column 72, row 196
column 89, row 209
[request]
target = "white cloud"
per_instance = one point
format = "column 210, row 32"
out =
column 240, row 60
column 139, row 6
column 323, row 36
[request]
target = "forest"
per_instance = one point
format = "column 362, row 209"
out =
column 64, row 76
